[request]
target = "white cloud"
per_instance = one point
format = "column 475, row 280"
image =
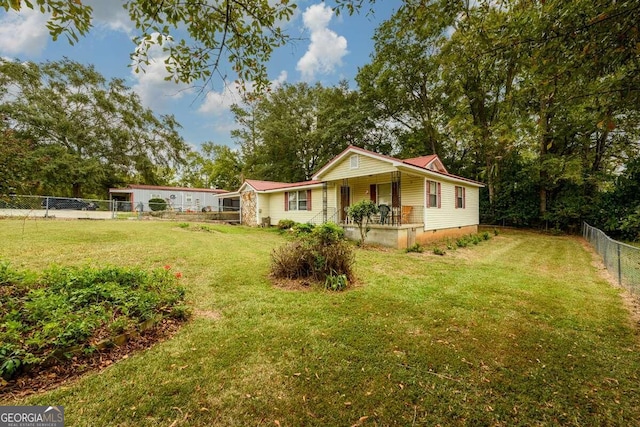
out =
column 23, row 33
column 111, row 14
column 326, row 49
column 217, row 103
column 151, row 86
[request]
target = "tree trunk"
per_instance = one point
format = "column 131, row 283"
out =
column 77, row 190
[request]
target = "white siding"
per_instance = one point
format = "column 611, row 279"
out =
column 263, row 208
column 367, row 166
column 199, row 199
column 277, row 211
column 412, row 190
column 447, row 216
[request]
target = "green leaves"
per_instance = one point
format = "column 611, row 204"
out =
column 78, row 129
column 66, row 307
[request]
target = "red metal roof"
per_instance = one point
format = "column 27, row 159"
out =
column 272, row 185
column 421, row 161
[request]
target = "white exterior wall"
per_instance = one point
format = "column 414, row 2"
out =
column 277, row 212
column 412, row 190
column 448, row 216
column 179, row 200
column 366, row 166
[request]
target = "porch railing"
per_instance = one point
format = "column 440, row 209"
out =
column 407, row 214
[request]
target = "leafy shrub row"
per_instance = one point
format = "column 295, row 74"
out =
column 41, row 314
column 320, row 253
column 464, row 241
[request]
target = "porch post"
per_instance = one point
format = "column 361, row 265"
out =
column 324, row 202
column 396, row 199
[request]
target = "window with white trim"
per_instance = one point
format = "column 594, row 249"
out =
column 384, row 194
column 298, row 200
column 433, row 194
column 460, row 197
column 355, row 161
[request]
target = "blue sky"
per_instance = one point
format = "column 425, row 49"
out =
column 331, row 49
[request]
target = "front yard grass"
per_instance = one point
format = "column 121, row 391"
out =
column 520, row 330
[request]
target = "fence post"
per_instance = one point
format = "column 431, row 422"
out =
column 619, row 266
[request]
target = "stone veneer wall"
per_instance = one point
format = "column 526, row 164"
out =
column 248, row 203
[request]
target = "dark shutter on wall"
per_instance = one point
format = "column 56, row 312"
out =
column 308, row 200
column 455, row 197
column 464, row 197
column 428, row 190
column 439, row 195
column 286, row 200
column 373, row 195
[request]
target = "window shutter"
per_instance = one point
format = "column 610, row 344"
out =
column 439, row 195
column 308, row 200
column 455, row 197
column 464, row 197
column 286, row 201
column 372, row 193
column 428, row 194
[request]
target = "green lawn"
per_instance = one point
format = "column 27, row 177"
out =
column 519, row 330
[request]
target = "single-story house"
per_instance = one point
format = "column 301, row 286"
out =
column 180, row 199
column 424, row 200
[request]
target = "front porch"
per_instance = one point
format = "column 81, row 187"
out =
column 395, row 236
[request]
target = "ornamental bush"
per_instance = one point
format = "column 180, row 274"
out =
column 156, row 204
column 361, row 213
column 44, row 315
column 316, row 255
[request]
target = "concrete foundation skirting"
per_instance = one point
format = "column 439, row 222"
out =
column 407, row 235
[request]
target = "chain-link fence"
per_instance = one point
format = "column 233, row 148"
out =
column 67, row 207
column 622, row 260
column 59, row 207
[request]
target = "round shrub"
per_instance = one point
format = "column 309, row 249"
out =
column 157, row 204
column 318, row 254
column 286, row 224
column 302, row 229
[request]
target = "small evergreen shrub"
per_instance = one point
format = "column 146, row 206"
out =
column 462, row 242
column 157, row 204
column 450, row 245
column 415, row 248
column 438, row 251
column 300, row 229
column 496, row 231
column 286, row 224
column 486, row 235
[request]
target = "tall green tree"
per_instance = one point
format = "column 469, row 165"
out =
column 525, row 96
column 214, row 166
column 289, row 133
column 402, row 85
column 85, row 130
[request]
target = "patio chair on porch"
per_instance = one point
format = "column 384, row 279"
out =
column 406, row 213
column 384, row 213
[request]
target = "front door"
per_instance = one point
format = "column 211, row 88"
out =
column 345, row 198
